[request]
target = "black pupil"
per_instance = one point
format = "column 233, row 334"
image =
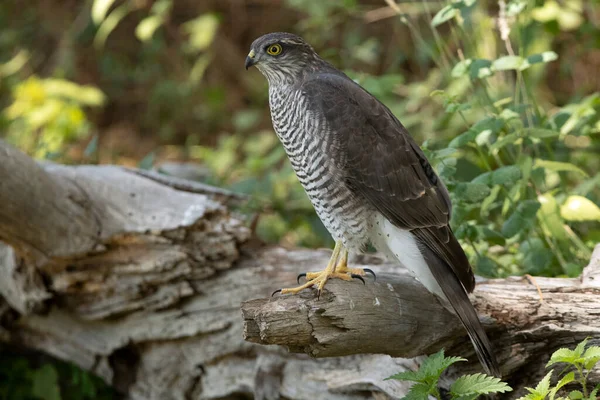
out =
column 274, row 49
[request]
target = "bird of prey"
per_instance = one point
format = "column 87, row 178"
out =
column 366, row 177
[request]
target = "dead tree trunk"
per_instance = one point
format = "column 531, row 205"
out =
column 139, row 278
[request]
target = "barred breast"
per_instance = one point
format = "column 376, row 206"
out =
column 305, row 138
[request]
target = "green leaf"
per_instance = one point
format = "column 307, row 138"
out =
column 508, row 63
column 575, row 395
column 490, row 235
column 147, row 162
column 502, row 176
column 486, row 266
column 543, row 388
column 558, row 166
column 521, row 218
column 536, row 256
column 202, row 31
column 511, row 138
column 100, row 9
column 430, row 370
column 471, row 192
column 538, row 133
column 544, row 57
column 445, row 14
column 110, row 23
column 419, row 391
column 411, row 376
column 45, row 383
column 591, row 357
column 478, row 384
column 549, row 217
column 146, row 28
column 568, row 356
column 463, row 139
column 570, row 377
column 578, row 208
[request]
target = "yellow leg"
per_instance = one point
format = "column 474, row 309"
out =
column 337, row 267
column 320, row 278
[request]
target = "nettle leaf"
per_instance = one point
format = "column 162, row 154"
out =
column 418, row 391
column 478, row 384
column 501, row 176
column 591, row 357
column 543, row 388
column 435, row 364
column 521, row 219
column 411, row 376
column 566, row 355
column 575, row 395
column 486, row 266
column 537, row 257
column 511, row 138
column 557, row 166
column 490, row 235
column 491, row 124
column 471, row 192
column 430, row 370
column 578, row 208
column 568, row 378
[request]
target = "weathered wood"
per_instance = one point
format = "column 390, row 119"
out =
column 141, row 281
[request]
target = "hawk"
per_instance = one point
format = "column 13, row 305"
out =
column 366, row 177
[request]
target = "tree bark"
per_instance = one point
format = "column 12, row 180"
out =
column 139, row 278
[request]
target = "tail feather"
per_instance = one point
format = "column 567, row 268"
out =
column 458, row 298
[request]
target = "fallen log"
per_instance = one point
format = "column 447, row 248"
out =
column 139, row 279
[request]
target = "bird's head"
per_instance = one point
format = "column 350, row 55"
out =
column 280, row 56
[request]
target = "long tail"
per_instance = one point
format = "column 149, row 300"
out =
column 459, row 300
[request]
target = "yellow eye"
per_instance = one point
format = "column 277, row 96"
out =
column 274, row 49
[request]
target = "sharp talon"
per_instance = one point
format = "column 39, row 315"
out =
column 300, row 276
column 358, row 277
column 370, row 271
column 275, row 292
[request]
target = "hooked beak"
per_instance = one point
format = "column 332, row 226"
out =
column 250, row 60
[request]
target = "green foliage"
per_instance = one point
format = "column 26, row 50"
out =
column 579, row 364
column 466, row 387
column 39, row 379
column 46, row 114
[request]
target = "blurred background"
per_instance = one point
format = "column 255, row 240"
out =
column 504, row 95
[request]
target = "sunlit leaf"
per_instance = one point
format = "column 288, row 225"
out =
column 550, row 218
column 202, row 31
column 508, row 63
column 578, row 208
column 110, row 23
column 100, row 9
column 445, row 14
column 147, row 27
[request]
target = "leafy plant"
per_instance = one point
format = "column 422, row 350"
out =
column 467, row 387
column 47, row 114
column 582, row 360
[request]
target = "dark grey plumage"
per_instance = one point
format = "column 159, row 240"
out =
column 367, row 178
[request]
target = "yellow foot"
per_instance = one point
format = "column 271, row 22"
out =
column 335, row 269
